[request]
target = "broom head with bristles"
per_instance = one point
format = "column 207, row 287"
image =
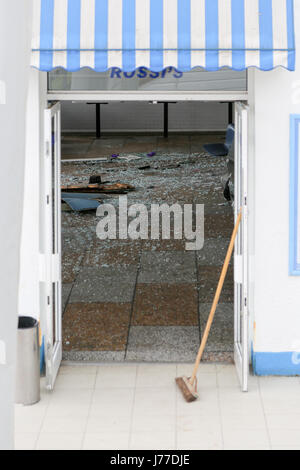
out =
column 188, row 390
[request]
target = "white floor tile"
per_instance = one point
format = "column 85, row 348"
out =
column 29, row 419
column 116, row 377
column 251, row 421
column 59, row 441
column 286, row 447
column 284, row 421
column 25, row 441
column 207, row 403
column 197, row 423
column 246, row 439
column 281, row 402
column 153, row 422
column 116, row 402
column 99, row 423
column 208, row 437
column 106, row 441
column 75, row 382
column 156, row 375
column 154, row 401
column 143, row 409
column 235, row 402
column 71, row 398
column 149, row 441
column 275, row 384
column 187, row 369
column 284, row 437
column 78, row 370
column 68, row 422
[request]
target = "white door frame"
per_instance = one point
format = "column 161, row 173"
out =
column 51, row 257
column 241, row 355
column 241, row 316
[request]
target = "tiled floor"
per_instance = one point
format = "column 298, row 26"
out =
column 137, row 406
column 146, row 300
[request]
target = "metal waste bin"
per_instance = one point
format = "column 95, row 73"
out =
column 28, row 362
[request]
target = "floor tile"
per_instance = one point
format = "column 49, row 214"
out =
column 108, row 271
column 106, row 441
column 158, row 375
column 218, row 226
column 284, row 421
column 246, row 439
column 72, row 421
column 164, row 344
column 96, row 326
column 286, row 448
column 79, row 398
column 204, row 369
column 213, row 252
column 233, row 401
column 167, row 267
column 75, row 382
column 87, row 357
column 165, row 305
column 107, row 284
column 59, row 441
column 149, row 441
column 116, row 376
column 284, row 437
column 274, row 403
column 208, row 281
column 74, row 148
column 155, row 401
column 119, row 253
column 78, row 370
column 25, row 441
column 29, row 419
column 71, row 262
column 100, row 423
column 113, row 401
column 152, row 423
column 221, row 336
column 207, row 403
column 78, row 238
column 204, row 437
column 163, row 245
column 66, row 291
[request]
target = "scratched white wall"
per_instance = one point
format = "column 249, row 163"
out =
column 145, row 117
column 276, row 293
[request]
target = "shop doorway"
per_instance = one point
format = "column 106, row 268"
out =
column 54, row 337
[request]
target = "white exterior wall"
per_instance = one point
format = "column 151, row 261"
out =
column 15, row 38
column 274, row 295
column 29, row 270
column 276, row 301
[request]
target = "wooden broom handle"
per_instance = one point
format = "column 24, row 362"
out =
column 216, row 299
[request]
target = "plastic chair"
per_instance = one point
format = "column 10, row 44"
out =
column 221, row 150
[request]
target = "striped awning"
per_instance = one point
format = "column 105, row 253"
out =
column 157, row 34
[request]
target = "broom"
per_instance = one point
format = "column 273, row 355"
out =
column 188, row 385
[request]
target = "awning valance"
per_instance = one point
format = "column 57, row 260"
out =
column 157, row 34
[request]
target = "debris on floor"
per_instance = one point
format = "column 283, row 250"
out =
column 81, row 204
column 95, row 179
column 116, row 188
column 145, row 300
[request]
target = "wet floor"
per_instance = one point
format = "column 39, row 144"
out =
column 146, row 300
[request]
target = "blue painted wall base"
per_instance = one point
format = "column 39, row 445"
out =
column 282, row 363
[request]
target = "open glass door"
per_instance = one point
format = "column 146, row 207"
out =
column 241, row 355
column 52, row 244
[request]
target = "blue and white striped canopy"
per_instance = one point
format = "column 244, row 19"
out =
column 157, row 34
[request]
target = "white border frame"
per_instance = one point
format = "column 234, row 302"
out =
column 149, row 96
